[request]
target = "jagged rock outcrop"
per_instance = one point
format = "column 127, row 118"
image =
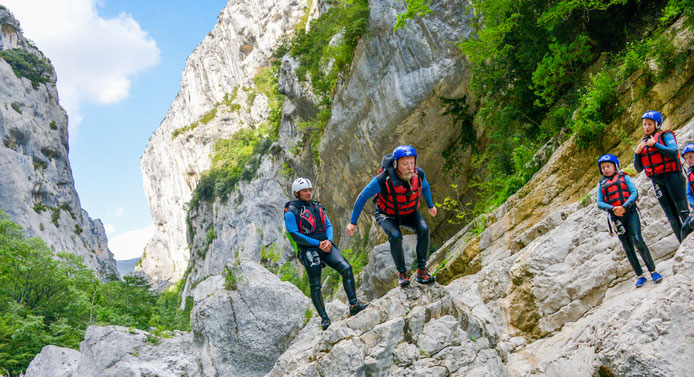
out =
column 37, row 189
column 415, row 331
column 218, row 77
column 236, row 332
column 58, row 361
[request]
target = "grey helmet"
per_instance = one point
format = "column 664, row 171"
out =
column 300, row 184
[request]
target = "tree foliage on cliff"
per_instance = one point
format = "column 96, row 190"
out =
column 47, row 299
column 25, row 64
column 324, row 53
column 529, row 61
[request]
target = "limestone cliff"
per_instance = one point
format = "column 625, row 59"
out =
column 216, row 100
column 37, row 189
column 543, row 290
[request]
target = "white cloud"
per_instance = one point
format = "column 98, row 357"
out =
column 120, row 211
column 109, row 228
column 95, row 58
column 131, row 244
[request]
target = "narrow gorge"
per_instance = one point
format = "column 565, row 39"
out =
column 529, row 281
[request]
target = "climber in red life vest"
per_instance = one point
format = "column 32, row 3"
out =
column 657, row 156
column 617, row 195
column 398, row 188
column 309, row 226
column 688, row 155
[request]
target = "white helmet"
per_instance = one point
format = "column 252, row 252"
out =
column 300, row 184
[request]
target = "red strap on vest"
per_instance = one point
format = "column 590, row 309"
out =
column 614, row 190
column 655, row 162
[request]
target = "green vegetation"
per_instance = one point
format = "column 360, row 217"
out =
column 232, row 277
column 228, row 100
column 53, row 125
column 323, row 62
column 234, row 160
column 25, row 64
column 529, row 63
column 16, row 106
column 46, row 300
column 211, row 235
column 417, row 8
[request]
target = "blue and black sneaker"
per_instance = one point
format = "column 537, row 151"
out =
column 656, row 277
column 640, row 282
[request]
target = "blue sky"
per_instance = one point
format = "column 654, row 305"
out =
column 144, row 46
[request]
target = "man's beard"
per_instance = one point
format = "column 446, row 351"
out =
column 406, row 175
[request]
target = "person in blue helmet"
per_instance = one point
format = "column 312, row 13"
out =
column 617, row 195
column 657, row 156
column 688, row 155
column 398, row 188
column 308, row 225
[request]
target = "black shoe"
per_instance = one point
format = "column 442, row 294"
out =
column 356, row 308
column 325, row 323
column 424, row 277
column 403, row 280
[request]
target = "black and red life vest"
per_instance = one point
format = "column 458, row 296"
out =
column 655, row 162
column 614, row 190
column 310, row 218
column 398, row 198
column 690, row 179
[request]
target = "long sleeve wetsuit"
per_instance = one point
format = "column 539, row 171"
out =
column 391, row 225
column 669, row 187
column 629, row 228
column 313, row 258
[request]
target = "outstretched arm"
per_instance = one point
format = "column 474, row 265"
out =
column 367, row 193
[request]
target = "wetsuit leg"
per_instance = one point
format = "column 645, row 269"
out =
column 667, row 203
column 676, row 185
column 416, row 222
column 632, row 221
column 625, row 239
column 337, row 261
column 310, row 258
column 392, row 230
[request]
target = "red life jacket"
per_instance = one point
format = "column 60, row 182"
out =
column 690, row 179
column 655, row 162
column 398, row 200
column 614, row 190
column 310, row 217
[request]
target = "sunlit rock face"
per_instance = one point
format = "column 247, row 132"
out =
column 37, row 189
column 220, row 69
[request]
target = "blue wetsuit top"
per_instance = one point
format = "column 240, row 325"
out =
column 668, row 150
column 374, row 188
column 293, row 229
column 633, row 195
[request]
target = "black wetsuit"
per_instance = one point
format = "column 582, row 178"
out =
column 670, row 188
column 416, row 223
column 629, row 234
column 312, row 227
column 629, row 225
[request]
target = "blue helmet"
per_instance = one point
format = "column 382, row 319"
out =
column 687, row 149
column 655, row 116
column 403, row 151
column 608, row 158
